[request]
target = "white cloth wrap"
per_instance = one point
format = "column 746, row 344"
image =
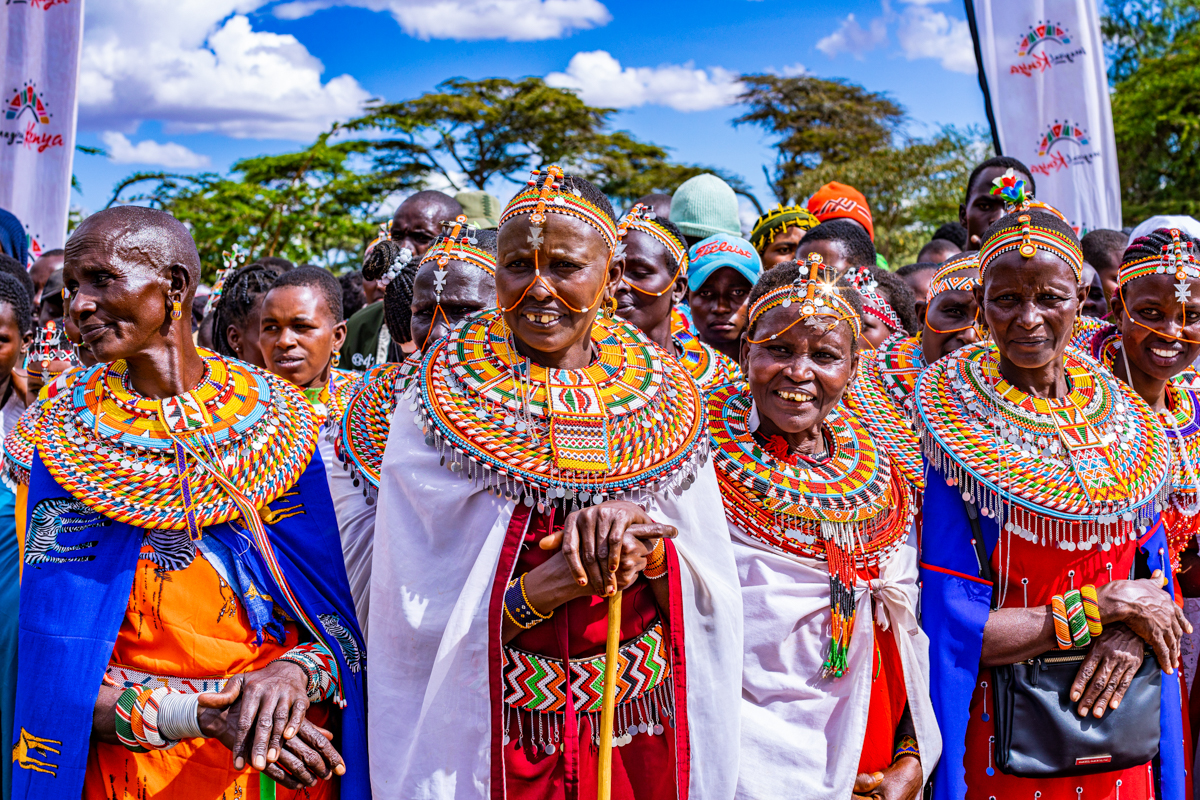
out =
column 802, row 734
column 433, row 567
column 356, row 522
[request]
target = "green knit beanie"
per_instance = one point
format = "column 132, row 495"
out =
column 705, row 206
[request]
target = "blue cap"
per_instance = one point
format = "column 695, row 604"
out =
column 722, row 250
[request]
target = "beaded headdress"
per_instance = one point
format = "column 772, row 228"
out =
column 1177, row 257
column 947, row 279
column 231, row 259
column 1027, row 238
column 457, row 243
column 642, row 218
column 874, row 303
column 818, row 298
column 545, row 195
column 778, row 220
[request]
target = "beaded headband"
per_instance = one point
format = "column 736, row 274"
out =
column 642, row 218
column 232, row 259
column 778, row 220
column 544, row 195
column 1027, row 238
column 874, row 303
column 818, row 298
column 1177, row 258
column 945, row 280
column 458, row 243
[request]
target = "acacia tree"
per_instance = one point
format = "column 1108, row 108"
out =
column 816, row 122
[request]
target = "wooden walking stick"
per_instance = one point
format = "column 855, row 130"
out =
column 604, row 779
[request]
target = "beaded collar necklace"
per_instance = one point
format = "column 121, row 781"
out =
column 630, row 422
column 708, row 367
column 367, row 418
column 882, row 397
column 21, row 441
column 1072, row 473
column 852, row 510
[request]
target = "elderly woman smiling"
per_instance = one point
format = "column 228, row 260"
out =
column 1048, row 476
column 835, row 699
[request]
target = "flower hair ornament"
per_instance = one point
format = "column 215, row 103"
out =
column 457, row 243
column 874, row 303
column 819, row 299
column 1017, row 195
column 232, row 259
column 1176, row 258
column 545, row 195
column 1026, row 237
column 642, row 218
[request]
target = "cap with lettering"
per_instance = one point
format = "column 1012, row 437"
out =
column 722, row 250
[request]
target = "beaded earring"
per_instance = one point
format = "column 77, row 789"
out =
column 176, row 309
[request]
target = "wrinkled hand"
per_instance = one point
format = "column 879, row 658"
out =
column 1106, row 673
column 606, row 545
column 901, row 781
column 1149, row 612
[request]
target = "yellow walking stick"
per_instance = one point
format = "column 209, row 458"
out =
column 604, row 779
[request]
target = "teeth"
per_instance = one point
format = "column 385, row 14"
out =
column 795, row 397
column 1158, row 351
column 542, row 318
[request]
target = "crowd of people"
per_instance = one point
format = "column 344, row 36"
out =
column 872, row 532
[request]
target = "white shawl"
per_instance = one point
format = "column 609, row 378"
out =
column 435, row 558
column 802, row 734
column 356, row 522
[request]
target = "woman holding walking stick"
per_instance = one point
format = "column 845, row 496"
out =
column 547, row 458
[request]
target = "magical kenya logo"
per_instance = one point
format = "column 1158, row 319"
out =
column 1061, row 146
column 27, row 106
column 1044, row 46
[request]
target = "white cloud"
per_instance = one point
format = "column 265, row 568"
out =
column 796, row 70
column 514, row 20
column 198, row 65
column 853, row 38
column 925, row 33
column 148, row 151
column 602, row 81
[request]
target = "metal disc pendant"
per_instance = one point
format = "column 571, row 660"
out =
column 550, row 749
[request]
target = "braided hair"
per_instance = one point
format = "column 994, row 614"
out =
column 13, row 294
column 1152, row 244
column 15, row 268
column 242, row 295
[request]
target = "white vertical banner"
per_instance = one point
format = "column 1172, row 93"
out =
column 41, row 41
column 1041, row 66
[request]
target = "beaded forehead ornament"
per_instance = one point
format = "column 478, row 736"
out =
column 778, row 220
column 231, row 259
column 642, row 218
column 874, row 303
column 457, row 243
column 817, row 298
column 1178, row 258
column 948, row 279
column 1027, row 238
column 546, row 196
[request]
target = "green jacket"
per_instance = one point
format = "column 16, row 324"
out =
column 363, row 331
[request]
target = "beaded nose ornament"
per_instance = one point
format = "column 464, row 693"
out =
column 818, row 299
column 642, row 218
column 1176, row 258
column 457, row 243
column 545, row 195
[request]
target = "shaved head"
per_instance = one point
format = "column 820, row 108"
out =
column 418, row 220
column 147, row 236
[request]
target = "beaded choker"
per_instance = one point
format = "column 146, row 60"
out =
column 629, row 422
column 367, row 418
column 21, row 441
column 129, row 457
column 708, row 367
column 853, row 510
column 882, row 397
column 1072, row 473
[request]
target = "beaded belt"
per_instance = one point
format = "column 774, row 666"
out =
column 124, row 677
column 536, row 683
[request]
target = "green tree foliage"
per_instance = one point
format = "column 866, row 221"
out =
column 1135, row 30
column 1156, row 116
column 816, row 123
column 317, row 205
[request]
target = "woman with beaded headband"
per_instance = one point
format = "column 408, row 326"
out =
column 819, row 515
column 456, row 278
column 888, row 309
column 882, row 392
column 655, row 281
column 1046, row 476
column 548, row 458
column 179, row 510
column 776, row 233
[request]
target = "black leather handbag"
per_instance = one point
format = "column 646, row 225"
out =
column 1039, row 733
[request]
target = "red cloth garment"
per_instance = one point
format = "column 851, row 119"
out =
column 647, row 768
column 1035, row 575
column 889, row 697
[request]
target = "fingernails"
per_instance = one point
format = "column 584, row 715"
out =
column 1083, row 712
column 340, row 769
column 289, row 733
column 1099, row 711
column 259, row 763
column 1116, row 703
column 1074, row 696
column 583, row 581
column 239, row 763
column 272, row 755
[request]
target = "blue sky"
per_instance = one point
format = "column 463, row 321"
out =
column 192, row 85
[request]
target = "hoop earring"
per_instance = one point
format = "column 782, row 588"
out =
column 176, row 309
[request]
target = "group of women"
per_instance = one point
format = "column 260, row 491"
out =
column 847, row 569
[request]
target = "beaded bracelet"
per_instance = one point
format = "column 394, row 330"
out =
column 1062, row 630
column 656, row 562
column 518, row 608
column 136, row 719
column 1076, row 619
column 320, row 668
column 906, row 747
column 1091, row 609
